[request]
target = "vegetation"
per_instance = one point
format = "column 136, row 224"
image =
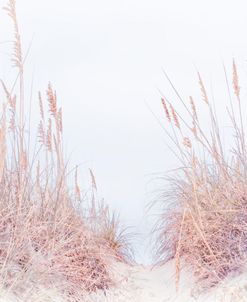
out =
column 204, row 215
column 47, row 238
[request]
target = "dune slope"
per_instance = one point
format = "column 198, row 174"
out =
column 144, row 284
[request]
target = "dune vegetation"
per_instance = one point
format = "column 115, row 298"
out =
column 204, row 214
column 48, row 237
column 59, row 239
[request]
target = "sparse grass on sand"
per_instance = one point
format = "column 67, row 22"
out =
column 47, row 239
column 204, row 215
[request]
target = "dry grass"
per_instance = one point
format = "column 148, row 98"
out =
column 108, row 227
column 204, row 215
column 46, row 237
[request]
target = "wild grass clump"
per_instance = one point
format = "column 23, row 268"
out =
column 204, row 214
column 108, row 227
column 47, row 237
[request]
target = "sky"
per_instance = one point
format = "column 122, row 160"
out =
column 105, row 59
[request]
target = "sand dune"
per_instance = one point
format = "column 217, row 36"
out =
column 144, row 284
column 147, row 284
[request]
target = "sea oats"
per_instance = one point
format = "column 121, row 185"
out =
column 235, row 80
column 203, row 89
column 166, row 109
column 175, row 117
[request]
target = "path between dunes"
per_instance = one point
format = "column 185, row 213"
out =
column 144, row 284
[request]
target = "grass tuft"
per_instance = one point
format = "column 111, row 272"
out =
column 47, row 238
column 204, row 215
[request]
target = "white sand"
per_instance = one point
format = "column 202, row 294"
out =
column 143, row 284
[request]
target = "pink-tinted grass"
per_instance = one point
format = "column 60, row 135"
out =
column 46, row 237
column 204, row 214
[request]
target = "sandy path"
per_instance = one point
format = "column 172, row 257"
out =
column 140, row 284
column 143, row 284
